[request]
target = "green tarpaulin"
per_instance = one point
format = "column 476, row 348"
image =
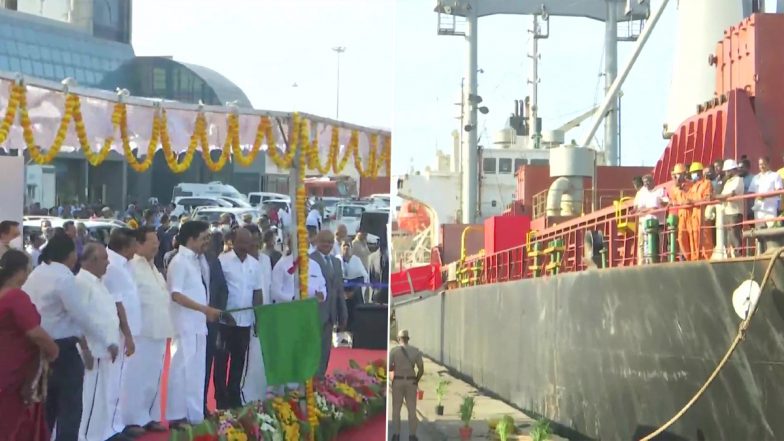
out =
column 290, row 336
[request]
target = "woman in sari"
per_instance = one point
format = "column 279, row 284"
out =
column 22, row 376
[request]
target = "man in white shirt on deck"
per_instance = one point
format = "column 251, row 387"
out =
column 767, row 181
column 121, row 285
column 102, row 371
column 242, row 273
column 190, row 313
column 647, row 198
column 141, row 407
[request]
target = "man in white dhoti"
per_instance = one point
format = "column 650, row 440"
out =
column 190, row 313
column 119, row 281
column 101, row 348
column 285, row 283
column 141, row 402
column 242, row 273
column 254, row 381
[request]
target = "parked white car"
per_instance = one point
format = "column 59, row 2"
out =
column 213, row 214
column 258, row 198
column 350, row 215
column 186, row 204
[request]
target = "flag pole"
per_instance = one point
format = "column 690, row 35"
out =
column 299, row 166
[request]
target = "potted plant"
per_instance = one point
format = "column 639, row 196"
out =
column 505, row 428
column 466, row 414
column 541, row 431
column 440, row 393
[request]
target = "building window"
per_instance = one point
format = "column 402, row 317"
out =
column 159, row 81
column 519, row 162
column 488, row 166
column 505, row 166
column 540, row 162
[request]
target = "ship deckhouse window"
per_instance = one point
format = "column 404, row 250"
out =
column 540, row 162
column 505, row 166
column 519, row 162
column 488, row 166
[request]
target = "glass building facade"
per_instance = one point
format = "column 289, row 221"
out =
column 51, row 50
column 163, row 77
column 89, row 40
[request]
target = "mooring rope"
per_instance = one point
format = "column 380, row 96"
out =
column 742, row 328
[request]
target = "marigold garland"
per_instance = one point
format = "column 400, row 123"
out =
column 300, row 139
column 284, row 162
column 264, row 130
column 353, row 146
column 16, row 91
column 371, row 169
column 314, row 163
column 386, row 156
column 139, row 167
column 168, row 153
column 95, row 159
column 232, row 138
column 299, row 143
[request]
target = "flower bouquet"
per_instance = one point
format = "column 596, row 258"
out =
column 344, row 399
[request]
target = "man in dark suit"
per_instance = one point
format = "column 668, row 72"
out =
column 218, row 293
column 378, row 270
column 333, row 311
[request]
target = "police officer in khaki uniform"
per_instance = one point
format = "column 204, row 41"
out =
column 407, row 367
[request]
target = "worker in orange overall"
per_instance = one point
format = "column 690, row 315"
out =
column 678, row 193
column 700, row 191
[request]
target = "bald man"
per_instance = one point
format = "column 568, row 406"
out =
column 333, row 312
column 243, row 278
column 102, row 371
column 341, row 235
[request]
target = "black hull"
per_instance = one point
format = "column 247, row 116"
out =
column 612, row 354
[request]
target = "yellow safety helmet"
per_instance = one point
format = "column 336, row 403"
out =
column 679, row 168
column 695, row 167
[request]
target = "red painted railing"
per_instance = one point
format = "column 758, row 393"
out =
column 618, row 229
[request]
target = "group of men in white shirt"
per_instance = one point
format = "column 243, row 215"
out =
column 108, row 320
column 116, row 316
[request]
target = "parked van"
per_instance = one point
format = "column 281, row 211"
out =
column 213, row 189
column 257, row 198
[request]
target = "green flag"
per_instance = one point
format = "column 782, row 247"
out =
column 290, row 336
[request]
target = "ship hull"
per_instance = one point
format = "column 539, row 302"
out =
column 612, row 354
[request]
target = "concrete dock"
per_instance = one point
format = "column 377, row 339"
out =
column 434, row 427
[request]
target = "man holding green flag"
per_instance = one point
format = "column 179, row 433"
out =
column 289, row 330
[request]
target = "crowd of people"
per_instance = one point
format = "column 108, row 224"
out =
column 91, row 321
column 695, row 194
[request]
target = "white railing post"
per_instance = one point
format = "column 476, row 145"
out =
column 720, row 252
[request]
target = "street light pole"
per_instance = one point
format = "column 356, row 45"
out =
column 338, row 50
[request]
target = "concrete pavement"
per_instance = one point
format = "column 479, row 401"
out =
column 445, row 427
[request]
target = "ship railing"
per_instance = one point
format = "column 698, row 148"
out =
column 612, row 238
column 604, row 198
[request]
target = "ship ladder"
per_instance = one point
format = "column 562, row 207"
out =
column 533, row 249
column 555, row 252
column 627, row 228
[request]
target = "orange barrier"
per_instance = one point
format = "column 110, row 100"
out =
column 421, row 278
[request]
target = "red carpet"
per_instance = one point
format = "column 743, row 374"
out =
column 375, row 429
